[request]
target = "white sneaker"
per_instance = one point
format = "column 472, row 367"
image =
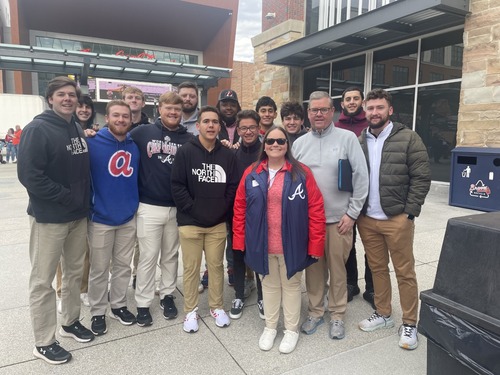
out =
column 266, row 340
column 84, row 297
column 289, row 342
column 201, row 288
column 408, row 337
column 221, row 318
column 191, row 322
column 59, row 305
column 376, row 321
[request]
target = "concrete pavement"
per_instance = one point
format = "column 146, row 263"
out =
column 165, row 347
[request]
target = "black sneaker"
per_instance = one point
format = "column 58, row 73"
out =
column 352, row 290
column 236, row 309
column 53, row 354
column 168, row 306
column 260, row 306
column 98, row 326
column 77, row 332
column 144, row 318
column 204, row 279
column 124, row 316
column 369, row 296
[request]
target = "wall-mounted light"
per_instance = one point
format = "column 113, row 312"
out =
column 270, row 16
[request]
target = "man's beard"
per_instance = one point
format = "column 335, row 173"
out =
column 358, row 111
column 379, row 123
column 228, row 120
column 188, row 109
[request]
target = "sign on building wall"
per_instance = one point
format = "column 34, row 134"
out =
column 104, row 90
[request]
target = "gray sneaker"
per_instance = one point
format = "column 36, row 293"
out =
column 311, row 324
column 337, row 330
column 376, row 321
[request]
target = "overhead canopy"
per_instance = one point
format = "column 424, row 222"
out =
column 391, row 23
column 85, row 64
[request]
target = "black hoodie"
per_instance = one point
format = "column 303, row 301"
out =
column 204, row 184
column 158, row 147
column 53, row 165
column 144, row 120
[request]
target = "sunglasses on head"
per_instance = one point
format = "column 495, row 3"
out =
column 270, row 141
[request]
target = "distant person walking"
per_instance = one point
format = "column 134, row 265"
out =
column 11, row 151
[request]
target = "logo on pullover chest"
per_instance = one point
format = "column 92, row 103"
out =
column 165, row 149
column 78, row 146
column 120, row 164
column 211, row 173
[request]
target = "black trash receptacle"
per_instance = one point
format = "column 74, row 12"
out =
column 460, row 316
column 475, row 178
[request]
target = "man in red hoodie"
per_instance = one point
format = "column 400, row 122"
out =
column 353, row 118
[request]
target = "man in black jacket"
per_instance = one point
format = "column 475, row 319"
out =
column 54, row 167
column 247, row 125
column 204, row 182
column 156, row 225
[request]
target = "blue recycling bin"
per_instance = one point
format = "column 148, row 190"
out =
column 475, row 178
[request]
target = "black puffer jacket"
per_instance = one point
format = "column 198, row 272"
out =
column 405, row 176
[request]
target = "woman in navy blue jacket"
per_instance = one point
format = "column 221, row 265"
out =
column 279, row 221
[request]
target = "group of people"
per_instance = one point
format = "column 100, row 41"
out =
column 219, row 180
column 11, row 143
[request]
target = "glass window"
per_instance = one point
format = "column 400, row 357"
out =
column 379, row 73
column 316, row 79
column 403, row 102
column 401, row 60
column 441, row 57
column 437, row 116
column 349, row 72
column 312, row 16
column 72, row 45
column 400, row 75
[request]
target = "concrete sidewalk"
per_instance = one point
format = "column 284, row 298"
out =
column 165, row 348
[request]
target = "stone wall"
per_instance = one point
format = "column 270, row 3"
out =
column 278, row 82
column 479, row 113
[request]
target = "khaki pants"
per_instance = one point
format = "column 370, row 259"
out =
column 113, row 244
column 193, row 241
column 337, row 248
column 394, row 238
column 277, row 290
column 50, row 243
column 84, row 287
column 158, row 235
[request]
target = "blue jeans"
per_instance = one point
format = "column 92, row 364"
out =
column 11, row 152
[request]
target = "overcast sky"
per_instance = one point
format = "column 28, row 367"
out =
column 248, row 25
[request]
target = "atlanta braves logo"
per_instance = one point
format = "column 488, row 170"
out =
column 119, row 164
column 299, row 190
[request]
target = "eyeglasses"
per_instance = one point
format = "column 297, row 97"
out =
column 315, row 111
column 244, row 129
column 270, row 141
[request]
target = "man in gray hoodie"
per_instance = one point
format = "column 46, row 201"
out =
column 321, row 149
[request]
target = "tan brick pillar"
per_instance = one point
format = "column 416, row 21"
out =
column 278, row 82
column 479, row 113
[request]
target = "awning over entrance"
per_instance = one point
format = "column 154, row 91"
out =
column 391, row 23
column 85, row 64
